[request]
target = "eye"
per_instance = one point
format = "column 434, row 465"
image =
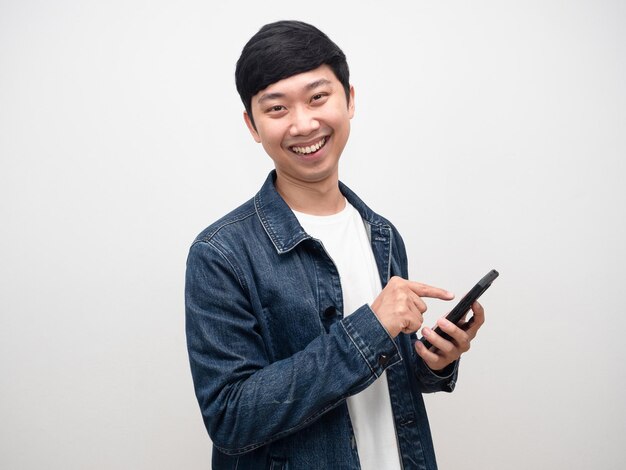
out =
column 276, row 109
column 318, row 97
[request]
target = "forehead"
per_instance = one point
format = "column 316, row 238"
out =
column 301, row 82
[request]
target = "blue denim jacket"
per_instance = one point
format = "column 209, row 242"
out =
column 272, row 355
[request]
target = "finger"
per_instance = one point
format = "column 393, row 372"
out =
column 447, row 348
column 418, row 302
column 463, row 320
column 431, row 359
column 459, row 337
column 414, row 320
column 411, row 327
column 424, row 290
column 477, row 319
column 479, row 313
column 465, row 324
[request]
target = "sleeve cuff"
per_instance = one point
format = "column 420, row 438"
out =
column 371, row 339
column 444, row 379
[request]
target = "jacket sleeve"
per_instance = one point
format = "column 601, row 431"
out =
column 246, row 400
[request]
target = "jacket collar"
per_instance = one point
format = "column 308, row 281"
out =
column 282, row 226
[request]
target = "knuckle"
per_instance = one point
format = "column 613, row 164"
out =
column 447, row 348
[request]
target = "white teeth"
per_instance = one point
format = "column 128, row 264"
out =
column 309, row 149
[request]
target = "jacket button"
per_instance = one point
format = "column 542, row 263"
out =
column 330, row 312
column 383, row 360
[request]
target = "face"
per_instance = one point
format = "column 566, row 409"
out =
column 303, row 123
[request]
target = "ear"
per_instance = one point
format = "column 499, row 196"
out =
column 351, row 103
column 255, row 134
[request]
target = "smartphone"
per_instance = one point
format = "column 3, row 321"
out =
column 464, row 304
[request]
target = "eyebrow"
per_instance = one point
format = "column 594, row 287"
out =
column 309, row 86
column 318, row 83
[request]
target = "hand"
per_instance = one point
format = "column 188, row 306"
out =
column 445, row 352
column 399, row 307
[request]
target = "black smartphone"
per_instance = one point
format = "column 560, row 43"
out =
column 464, row 304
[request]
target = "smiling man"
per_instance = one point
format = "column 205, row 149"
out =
column 303, row 123
column 300, row 318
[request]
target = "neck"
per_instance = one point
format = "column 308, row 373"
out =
column 315, row 198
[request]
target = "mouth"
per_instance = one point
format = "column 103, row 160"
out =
column 309, row 149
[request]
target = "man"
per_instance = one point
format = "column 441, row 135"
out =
column 300, row 319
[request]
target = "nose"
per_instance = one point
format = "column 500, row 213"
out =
column 303, row 123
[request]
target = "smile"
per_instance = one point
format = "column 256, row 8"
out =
column 309, row 148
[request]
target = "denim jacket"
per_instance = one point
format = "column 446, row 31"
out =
column 273, row 357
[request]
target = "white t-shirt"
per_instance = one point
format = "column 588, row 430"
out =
column 345, row 239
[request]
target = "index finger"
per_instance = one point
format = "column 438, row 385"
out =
column 424, row 290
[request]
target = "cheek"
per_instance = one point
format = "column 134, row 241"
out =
column 271, row 137
column 341, row 122
column 340, row 117
column 272, row 143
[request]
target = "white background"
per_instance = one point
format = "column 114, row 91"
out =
column 492, row 133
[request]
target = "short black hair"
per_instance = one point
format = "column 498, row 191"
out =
column 282, row 49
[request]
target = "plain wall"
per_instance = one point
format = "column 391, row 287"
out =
column 492, row 133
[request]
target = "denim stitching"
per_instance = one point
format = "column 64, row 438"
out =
column 209, row 236
column 227, row 259
column 358, row 349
